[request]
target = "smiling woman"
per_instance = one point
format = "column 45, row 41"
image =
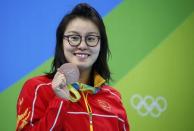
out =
column 85, row 38
column 45, row 102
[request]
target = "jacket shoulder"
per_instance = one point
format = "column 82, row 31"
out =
column 38, row 80
column 112, row 91
column 31, row 84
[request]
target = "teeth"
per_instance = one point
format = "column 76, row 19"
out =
column 82, row 55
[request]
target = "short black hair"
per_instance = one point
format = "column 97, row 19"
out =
column 83, row 10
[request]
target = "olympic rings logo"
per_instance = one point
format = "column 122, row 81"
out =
column 148, row 105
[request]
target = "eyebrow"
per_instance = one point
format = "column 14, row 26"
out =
column 75, row 32
column 88, row 33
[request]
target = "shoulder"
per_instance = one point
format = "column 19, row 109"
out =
column 112, row 91
column 39, row 79
column 43, row 79
column 34, row 83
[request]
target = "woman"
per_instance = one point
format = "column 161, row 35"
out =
column 82, row 41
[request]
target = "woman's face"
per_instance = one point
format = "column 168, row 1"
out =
column 81, row 55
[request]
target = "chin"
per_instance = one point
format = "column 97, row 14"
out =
column 83, row 66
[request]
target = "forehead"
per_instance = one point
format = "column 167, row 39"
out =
column 82, row 26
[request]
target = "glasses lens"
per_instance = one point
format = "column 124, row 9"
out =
column 92, row 40
column 74, row 40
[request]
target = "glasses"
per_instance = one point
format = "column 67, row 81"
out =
column 75, row 40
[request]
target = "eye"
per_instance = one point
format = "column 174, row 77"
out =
column 91, row 38
column 74, row 38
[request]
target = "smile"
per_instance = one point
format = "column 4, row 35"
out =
column 82, row 55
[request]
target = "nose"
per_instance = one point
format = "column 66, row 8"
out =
column 82, row 45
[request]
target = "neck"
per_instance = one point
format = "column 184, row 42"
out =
column 85, row 76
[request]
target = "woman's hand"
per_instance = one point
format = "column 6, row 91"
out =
column 59, row 86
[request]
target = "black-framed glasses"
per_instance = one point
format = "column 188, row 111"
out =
column 75, row 40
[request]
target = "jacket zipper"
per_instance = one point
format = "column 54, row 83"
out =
column 91, row 124
column 89, row 110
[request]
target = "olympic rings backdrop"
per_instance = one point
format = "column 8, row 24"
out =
column 152, row 44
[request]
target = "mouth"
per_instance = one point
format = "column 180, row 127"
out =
column 82, row 55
